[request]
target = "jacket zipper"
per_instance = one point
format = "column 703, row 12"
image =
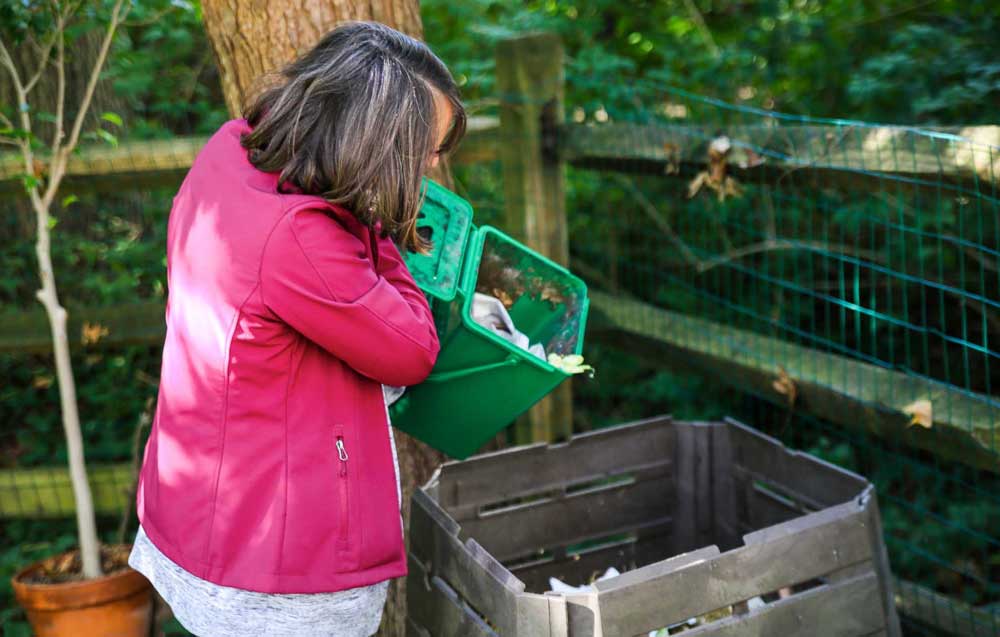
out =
column 343, row 487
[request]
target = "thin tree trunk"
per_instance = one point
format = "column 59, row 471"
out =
column 42, row 193
column 86, row 522
column 252, row 38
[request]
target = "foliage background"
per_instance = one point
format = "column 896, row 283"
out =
column 928, row 63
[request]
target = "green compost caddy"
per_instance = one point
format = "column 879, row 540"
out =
column 481, row 381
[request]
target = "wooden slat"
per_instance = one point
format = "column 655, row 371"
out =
column 893, row 151
column 704, row 502
column 685, row 537
column 846, row 609
column 509, row 473
column 696, row 477
column 639, row 577
column 764, row 503
column 651, row 546
column 132, row 324
column 858, row 395
column 767, row 509
column 523, row 530
column 791, row 553
column 542, row 615
column 662, row 469
column 489, row 587
column 435, row 608
column 724, row 496
column 46, row 492
column 881, row 560
column 166, row 160
column 804, row 477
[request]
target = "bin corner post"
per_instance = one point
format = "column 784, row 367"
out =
column 881, row 563
column 530, row 82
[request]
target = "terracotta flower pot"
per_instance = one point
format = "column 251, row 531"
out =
column 116, row 605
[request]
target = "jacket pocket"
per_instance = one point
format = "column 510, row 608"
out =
column 341, row 449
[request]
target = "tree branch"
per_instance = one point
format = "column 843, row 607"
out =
column 189, row 90
column 598, row 276
column 978, row 258
column 27, row 154
column 145, row 418
column 772, row 245
column 8, row 62
column 699, row 20
column 46, row 52
column 58, row 167
column 660, row 221
column 57, row 135
column 152, row 19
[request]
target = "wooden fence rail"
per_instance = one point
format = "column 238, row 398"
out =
column 164, row 161
column 615, row 146
column 848, row 152
column 857, row 395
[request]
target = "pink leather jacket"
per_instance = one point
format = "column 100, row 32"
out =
column 269, row 465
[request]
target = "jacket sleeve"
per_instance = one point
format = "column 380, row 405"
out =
column 316, row 277
column 392, row 267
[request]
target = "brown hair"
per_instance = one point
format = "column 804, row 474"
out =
column 353, row 121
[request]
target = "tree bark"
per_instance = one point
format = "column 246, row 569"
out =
column 254, row 37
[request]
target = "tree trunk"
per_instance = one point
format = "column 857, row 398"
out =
column 254, row 37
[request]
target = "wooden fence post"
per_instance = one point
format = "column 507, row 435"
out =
column 530, row 87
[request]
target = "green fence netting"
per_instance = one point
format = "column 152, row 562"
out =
column 846, row 277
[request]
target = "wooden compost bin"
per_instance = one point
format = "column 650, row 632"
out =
column 704, row 519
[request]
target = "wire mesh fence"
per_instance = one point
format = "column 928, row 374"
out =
column 846, row 276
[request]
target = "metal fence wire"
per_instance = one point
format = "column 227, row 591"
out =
column 846, row 277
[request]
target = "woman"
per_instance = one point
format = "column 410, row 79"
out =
column 268, row 498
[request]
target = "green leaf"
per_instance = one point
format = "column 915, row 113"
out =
column 108, row 137
column 68, row 200
column 30, row 182
column 52, row 222
column 15, row 133
column 114, row 118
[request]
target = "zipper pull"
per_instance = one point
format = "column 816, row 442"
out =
column 342, row 453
